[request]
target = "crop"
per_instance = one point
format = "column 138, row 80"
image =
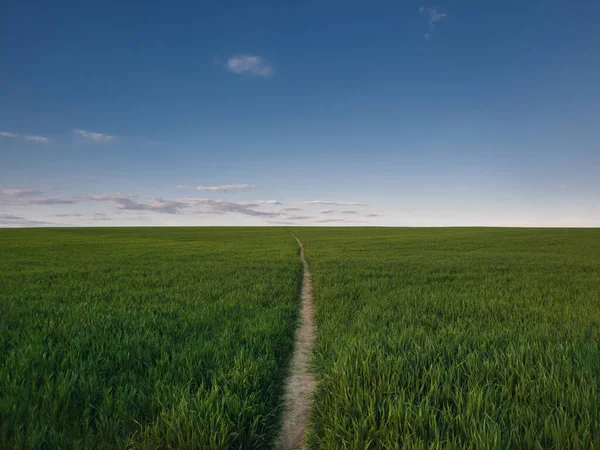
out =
column 456, row 338
column 145, row 338
column 181, row 337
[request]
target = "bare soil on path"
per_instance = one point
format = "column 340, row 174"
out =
column 301, row 381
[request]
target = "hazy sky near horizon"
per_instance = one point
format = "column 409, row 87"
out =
column 308, row 113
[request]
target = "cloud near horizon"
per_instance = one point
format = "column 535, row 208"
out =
column 12, row 221
column 125, row 202
column 250, row 65
column 31, row 197
column 134, row 203
column 327, row 202
column 21, row 192
column 220, row 187
column 49, row 201
column 222, row 206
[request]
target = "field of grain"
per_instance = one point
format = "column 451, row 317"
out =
column 145, row 338
column 456, row 338
column 182, row 337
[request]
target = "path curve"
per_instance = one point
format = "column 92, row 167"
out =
column 301, row 381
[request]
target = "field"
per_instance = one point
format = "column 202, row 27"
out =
column 470, row 338
column 114, row 338
column 181, row 337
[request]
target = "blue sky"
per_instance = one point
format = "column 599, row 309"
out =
column 317, row 113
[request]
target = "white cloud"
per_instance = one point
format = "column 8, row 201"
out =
column 327, row 202
column 267, row 202
column 372, row 215
column 157, row 205
column 348, row 212
column 327, row 211
column 31, row 197
column 219, row 188
column 21, row 192
column 125, row 202
column 292, row 209
column 84, row 217
column 331, row 221
column 433, row 17
column 107, row 197
column 250, row 65
column 49, row 201
column 299, row 217
column 40, row 139
column 222, row 206
column 12, row 221
column 92, row 136
column 29, row 137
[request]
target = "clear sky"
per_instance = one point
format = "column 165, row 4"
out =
column 317, row 112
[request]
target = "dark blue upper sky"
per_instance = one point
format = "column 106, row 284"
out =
column 451, row 113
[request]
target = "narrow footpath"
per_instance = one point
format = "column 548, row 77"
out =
column 301, row 381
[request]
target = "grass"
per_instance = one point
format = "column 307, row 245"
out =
column 145, row 338
column 180, row 337
column 456, row 338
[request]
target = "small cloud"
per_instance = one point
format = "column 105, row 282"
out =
column 250, row 65
column 327, row 211
column 298, row 217
column 156, row 205
column 8, row 134
column 433, row 17
column 220, row 188
column 348, row 212
column 92, row 136
column 99, row 216
column 282, row 222
column 19, row 193
column 221, row 207
column 49, row 201
column 124, row 202
column 40, row 139
column 326, row 202
column 106, row 197
column 31, row 197
column 267, row 202
column 12, row 221
column 292, row 209
column 10, row 217
column 94, row 217
column 372, row 215
column 331, row 220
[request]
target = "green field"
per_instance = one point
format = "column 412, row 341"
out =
column 445, row 338
column 181, row 337
column 146, row 338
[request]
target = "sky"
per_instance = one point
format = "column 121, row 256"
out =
column 382, row 113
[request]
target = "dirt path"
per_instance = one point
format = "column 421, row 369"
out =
column 301, row 381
